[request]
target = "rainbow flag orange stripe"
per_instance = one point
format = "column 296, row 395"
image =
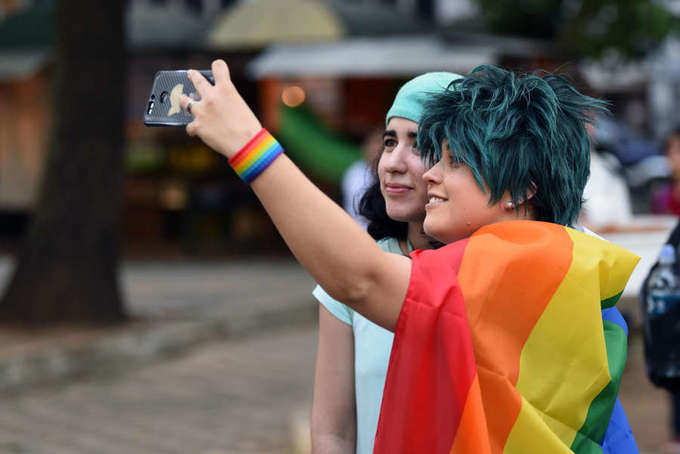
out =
column 255, row 156
column 501, row 346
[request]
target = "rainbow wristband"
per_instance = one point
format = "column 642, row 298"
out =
column 255, row 156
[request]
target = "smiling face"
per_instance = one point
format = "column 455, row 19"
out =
column 400, row 171
column 457, row 206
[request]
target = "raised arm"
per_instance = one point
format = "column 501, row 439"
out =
column 334, row 249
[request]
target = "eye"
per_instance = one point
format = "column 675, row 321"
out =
column 389, row 143
column 414, row 149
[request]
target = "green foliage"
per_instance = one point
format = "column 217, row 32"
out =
column 587, row 27
column 313, row 146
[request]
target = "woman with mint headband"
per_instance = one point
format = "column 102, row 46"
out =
column 353, row 352
column 505, row 338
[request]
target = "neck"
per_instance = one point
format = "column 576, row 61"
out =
column 417, row 236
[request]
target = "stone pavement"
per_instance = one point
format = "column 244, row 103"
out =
column 225, row 397
column 174, row 305
column 219, row 360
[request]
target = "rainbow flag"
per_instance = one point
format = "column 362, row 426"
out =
column 501, row 346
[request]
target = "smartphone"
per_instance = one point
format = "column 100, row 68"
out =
column 162, row 107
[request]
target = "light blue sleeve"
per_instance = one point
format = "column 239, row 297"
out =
column 335, row 307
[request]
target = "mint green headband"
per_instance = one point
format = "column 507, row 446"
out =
column 412, row 95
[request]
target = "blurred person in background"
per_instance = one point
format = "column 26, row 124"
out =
column 353, row 352
column 360, row 176
column 666, row 199
column 607, row 206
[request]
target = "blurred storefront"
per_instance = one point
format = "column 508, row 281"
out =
column 25, row 117
column 320, row 73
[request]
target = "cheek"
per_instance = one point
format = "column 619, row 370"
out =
column 381, row 174
column 416, row 166
column 417, row 170
column 381, row 170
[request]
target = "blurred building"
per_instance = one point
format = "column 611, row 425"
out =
column 319, row 73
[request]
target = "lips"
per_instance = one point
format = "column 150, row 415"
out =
column 396, row 188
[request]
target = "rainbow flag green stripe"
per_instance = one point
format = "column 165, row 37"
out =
column 256, row 156
column 589, row 436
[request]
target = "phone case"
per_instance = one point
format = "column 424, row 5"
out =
column 162, row 107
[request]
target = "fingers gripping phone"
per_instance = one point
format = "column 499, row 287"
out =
column 162, row 108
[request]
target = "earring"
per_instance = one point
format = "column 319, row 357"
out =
column 509, row 205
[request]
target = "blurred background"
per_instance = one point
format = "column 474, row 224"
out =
column 147, row 302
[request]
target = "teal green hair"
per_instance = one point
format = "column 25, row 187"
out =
column 518, row 133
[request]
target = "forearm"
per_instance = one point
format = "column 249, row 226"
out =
column 332, row 444
column 336, row 251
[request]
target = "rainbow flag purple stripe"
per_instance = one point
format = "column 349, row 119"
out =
column 255, row 156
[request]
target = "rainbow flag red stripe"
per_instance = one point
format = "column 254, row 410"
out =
column 255, row 156
column 501, row 346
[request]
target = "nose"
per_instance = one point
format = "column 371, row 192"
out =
column 394, row 161
column 433, row 174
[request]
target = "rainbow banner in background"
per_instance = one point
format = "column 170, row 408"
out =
column 501, row 346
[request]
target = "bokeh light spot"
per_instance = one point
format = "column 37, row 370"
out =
column 293, row 96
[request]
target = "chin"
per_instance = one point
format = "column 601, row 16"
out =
column 400, row 214
column 432, row 232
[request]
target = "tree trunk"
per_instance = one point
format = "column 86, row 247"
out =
column 67, row 269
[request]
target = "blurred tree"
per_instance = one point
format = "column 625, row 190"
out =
column 67, row 269
column 584, row 27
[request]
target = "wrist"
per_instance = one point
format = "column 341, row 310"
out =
column 242, row 139
column 255, row 156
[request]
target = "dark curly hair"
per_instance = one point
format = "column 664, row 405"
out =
column 380, row 225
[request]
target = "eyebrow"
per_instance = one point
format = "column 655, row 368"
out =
column 393, row 133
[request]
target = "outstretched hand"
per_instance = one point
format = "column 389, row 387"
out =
column 222, row 119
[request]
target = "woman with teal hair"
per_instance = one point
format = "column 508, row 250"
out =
column 500, row 343
column 353, row 352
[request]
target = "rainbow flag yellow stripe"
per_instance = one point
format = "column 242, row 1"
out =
column 256, row 156
column 501, row 345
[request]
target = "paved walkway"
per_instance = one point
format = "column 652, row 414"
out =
column 219, row 359
column 226, row 397
column 175, row 305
